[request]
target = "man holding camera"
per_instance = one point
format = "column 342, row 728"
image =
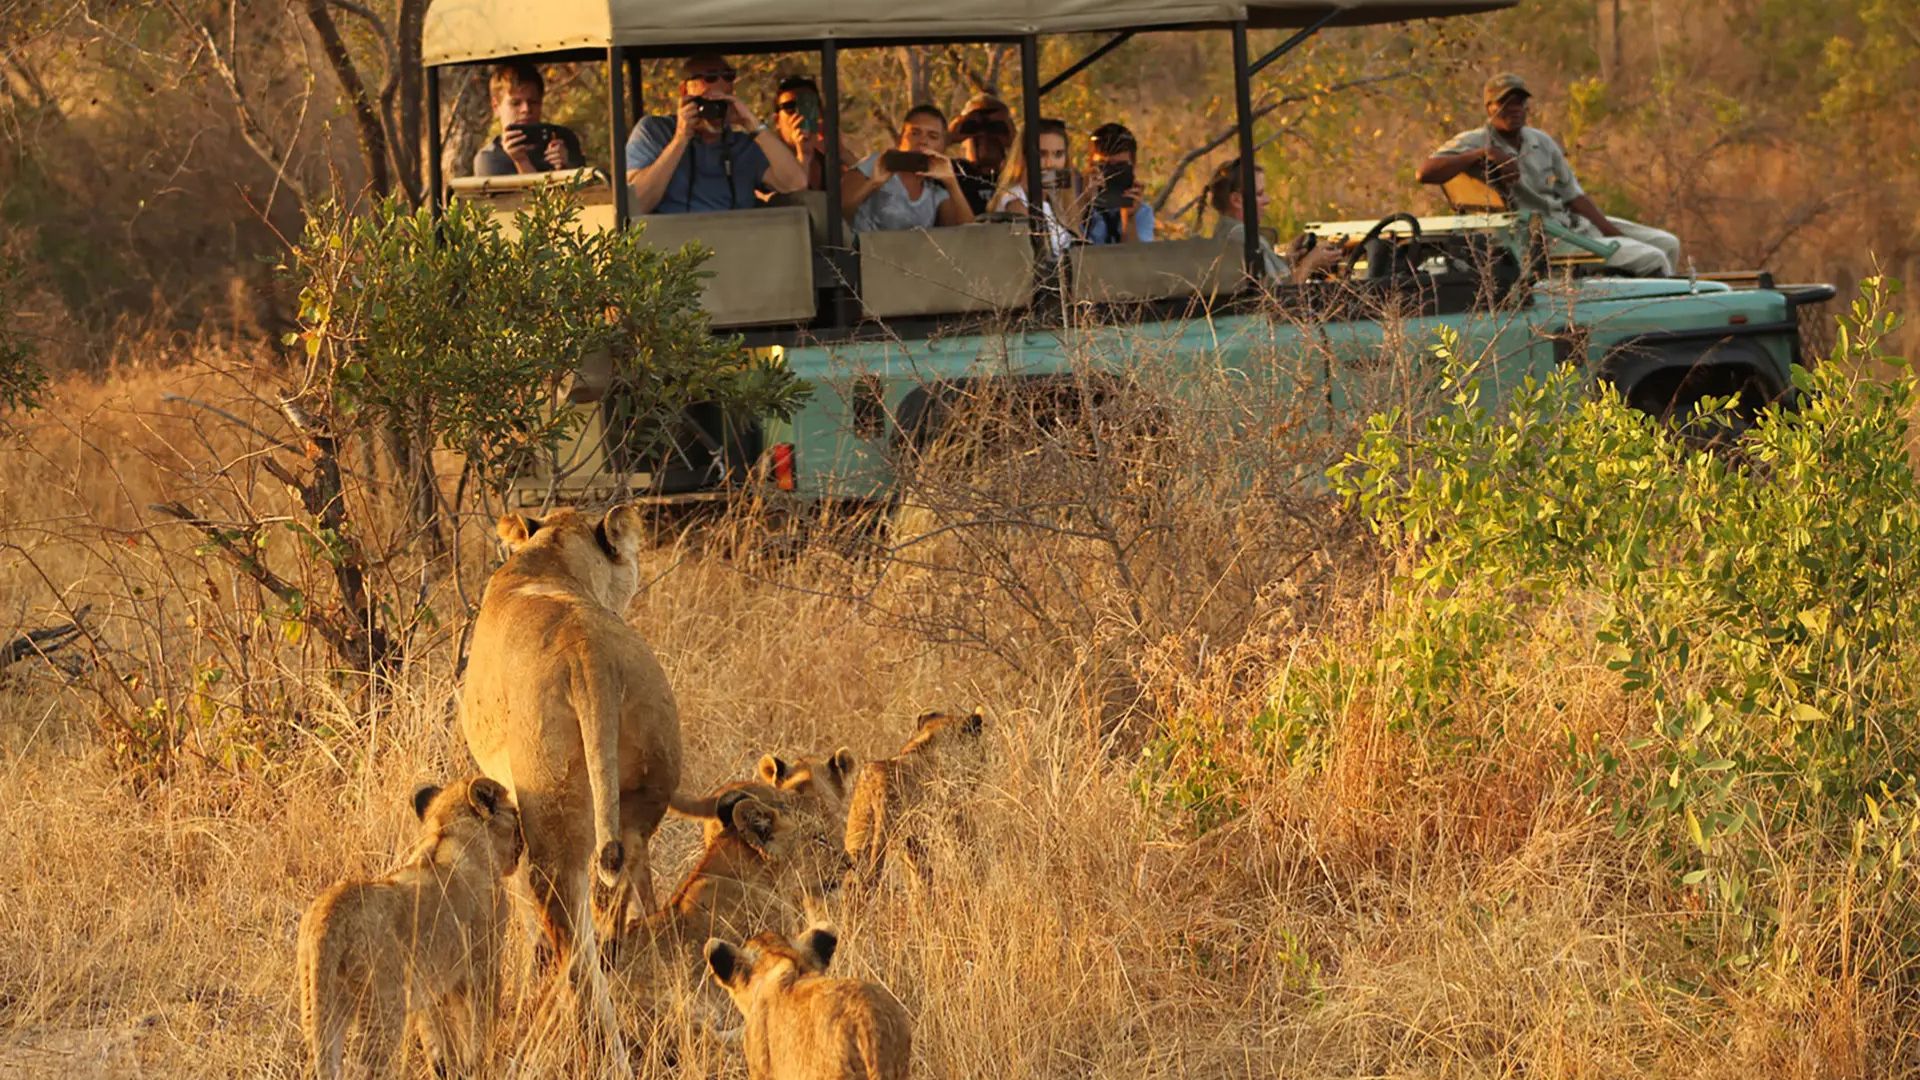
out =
column 1121, row 213
column 524, row 145
column 696, row 161
column 1302, row 261
column 984, row 131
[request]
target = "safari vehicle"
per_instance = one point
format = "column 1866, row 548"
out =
column 892, row 327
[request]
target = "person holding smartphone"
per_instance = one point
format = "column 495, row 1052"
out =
column 712, row 154
column 1121, row 213
column 797, row 118
column 910, row 187
column 985, row 134
column 525, row 144
column 1064, row 200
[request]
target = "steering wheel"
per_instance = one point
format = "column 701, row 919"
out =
column 1378, row 249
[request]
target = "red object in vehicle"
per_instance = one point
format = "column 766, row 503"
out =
column 783, row 466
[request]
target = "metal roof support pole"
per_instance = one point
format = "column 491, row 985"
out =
column 636, row 88
column 1293, row 42
column 436, row 144
column 1243, row 113
column 841, row 305
column 1030, row 118
column 617, row 133
column 1086, row 61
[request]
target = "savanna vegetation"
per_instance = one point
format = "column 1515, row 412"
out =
column 1487, row 738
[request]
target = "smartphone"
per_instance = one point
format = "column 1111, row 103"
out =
column 537, row 136
column 1115, row 179
column 906, row 161
column 809, row 113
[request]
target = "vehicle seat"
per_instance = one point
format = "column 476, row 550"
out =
column 1165, row 269
column 945, row 271
column 761, row 266
column 1468, row 194
column 815, row 203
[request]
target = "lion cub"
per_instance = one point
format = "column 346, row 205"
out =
column 741, row 873
column 419, row 948
column 814, row 785
column 887, row 790
column 802, row 1025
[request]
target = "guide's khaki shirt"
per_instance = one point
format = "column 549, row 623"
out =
column 1546, row 183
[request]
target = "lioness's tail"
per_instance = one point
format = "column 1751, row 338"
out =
column 596, row 703
column 695, row 806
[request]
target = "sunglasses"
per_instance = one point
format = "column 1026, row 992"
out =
column 791, row 105
column 711, row 77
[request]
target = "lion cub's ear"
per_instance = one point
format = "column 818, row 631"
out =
column 754, row 821
column 729, row 965
column 422, row 798
column 515, row 530
column 773, row 770
column 624, row 529
column 840, row 766
column 487, row 796
column 817, row 946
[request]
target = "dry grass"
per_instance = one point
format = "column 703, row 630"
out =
column 1387, row 916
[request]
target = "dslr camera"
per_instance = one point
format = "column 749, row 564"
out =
column 714, row 110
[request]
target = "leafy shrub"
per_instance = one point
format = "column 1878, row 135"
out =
column 1758, row 607
column 21, row 376
column 466, row 332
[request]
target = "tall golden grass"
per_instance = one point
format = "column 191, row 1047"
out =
column 1388, row 916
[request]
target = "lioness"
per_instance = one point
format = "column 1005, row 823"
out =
column 566, row 705
column 746, row 870
column 888, row 788
column 802, row 1025
column 420, row 945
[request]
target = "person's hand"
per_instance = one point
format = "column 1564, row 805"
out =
column 792, row 131
column 689, row 117
column 557, row 153
column 1608, row 228
column 939, row 167
column 881, row 174
column 515, row 143
column 741, row 115
column 1324, row 256
column 1133, row 196
column 1500, row 166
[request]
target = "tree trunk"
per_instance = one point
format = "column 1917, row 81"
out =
column 366, row 117
column 412, row 77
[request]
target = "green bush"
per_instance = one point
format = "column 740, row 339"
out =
column 22, row 379
column 459, row 331
column 1759, row 606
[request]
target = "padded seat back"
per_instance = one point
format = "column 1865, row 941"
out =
column 762, row 261
column 945, row 271
column 1468, row 194
column 1120, row 273
column 816, row 206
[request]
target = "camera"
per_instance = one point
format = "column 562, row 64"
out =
column 1115, row 178
column 1053, row 179
column 714, row 110
column 906, row 161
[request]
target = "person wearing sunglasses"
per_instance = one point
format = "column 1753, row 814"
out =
column 797, row 117
column 712, row 154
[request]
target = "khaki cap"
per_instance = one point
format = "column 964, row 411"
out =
column 1503, row 84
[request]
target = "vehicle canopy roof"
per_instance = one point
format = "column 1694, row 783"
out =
column 461, row 31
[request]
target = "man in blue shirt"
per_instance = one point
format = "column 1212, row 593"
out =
column 690, row 164
column 1119, row 215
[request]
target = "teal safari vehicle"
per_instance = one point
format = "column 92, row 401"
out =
column 893, row 328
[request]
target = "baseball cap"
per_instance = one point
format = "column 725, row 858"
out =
column 1503, row 84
